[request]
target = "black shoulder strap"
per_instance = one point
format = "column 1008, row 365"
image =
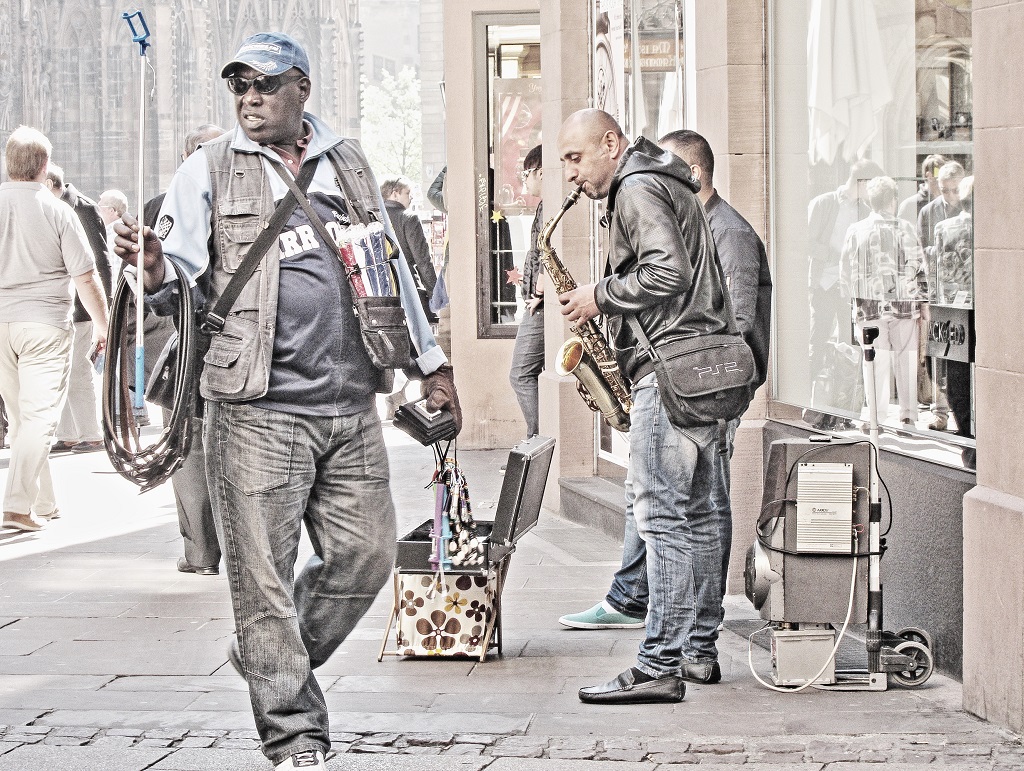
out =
column 315, row 220
column 213, row 320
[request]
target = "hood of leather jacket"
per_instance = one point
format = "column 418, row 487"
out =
column 662, row 264
column 645, row 157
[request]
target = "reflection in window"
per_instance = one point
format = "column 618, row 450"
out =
column 514, row 110
column 872, row 215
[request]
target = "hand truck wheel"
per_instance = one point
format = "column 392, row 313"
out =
column 923, row 665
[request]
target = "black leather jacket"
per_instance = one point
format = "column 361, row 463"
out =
column 662, row 264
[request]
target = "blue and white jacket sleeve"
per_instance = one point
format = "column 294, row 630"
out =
column 183, row 227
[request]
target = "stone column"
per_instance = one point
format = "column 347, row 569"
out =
column 994, row 510
column 565, row 56
column 731, row 110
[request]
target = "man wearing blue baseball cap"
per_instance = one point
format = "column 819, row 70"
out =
column 290, row 429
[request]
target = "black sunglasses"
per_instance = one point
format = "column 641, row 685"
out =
column 264, row 84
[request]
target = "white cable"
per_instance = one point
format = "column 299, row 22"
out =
column 835, row 648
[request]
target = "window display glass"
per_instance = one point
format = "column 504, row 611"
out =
column 872, row 153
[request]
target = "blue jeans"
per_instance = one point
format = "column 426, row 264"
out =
column 670, row 506
column 269, row 473
column 527, row 364
column 628, row 592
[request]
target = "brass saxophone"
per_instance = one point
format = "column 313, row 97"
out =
column 586, row 355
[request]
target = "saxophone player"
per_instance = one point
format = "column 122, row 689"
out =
column 662, row 268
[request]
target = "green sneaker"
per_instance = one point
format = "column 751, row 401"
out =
column 601, row 616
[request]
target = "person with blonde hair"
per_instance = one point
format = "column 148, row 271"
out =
column 45, row 250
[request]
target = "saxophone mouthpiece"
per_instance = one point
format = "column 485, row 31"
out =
column 573, row 197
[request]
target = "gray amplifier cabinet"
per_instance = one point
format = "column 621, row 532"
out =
column 815, row 588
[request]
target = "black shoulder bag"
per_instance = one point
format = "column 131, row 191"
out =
column 703, row 380
column 161, row 386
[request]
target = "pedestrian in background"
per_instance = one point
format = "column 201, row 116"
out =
column 196, row 523
column 528, row 353
column 79, row 427
column 44, row 250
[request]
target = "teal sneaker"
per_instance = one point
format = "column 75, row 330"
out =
column 601, row 616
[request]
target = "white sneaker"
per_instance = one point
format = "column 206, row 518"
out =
column 304, row 759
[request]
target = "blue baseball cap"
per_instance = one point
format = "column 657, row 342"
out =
column 270, row 53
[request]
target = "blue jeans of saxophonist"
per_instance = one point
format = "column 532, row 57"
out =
column 672, row 553
column 628, row 592
column 270, row 473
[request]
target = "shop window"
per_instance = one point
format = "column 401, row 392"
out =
column 508, row 51
column 871, row 117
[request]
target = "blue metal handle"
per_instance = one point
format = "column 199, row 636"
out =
column 142, row 38
column 140, row 377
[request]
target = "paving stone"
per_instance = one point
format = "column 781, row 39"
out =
column 382, row 740
column 213, row 734
column 221, row 760
column 369, row 749
column 153, row 743
column 160, row 733
column 502, row 750
column 422, row 750
column 736, row 758
column 429, row 739
column 80, row 758
column 113, row 741
column 716, row 748
column 134, row 732
column 465, row 749
column 547, row 764
column 621, row 754
column 672, row 757
column 776, row 757
column 190, row 742
column 66, row 741
column 21, row 738
column 659, row 745
column 247, row 734
column 485, row 739
column 238, row 744
column 7, row 747
column 34, row 729
column 344, row 738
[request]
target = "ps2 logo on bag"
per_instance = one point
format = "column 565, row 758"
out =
column 718, row 369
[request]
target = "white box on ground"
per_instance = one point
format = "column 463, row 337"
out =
column 798, row 654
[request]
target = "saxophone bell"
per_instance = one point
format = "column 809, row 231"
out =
column 573, row 359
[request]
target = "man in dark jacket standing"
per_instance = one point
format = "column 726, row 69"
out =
column 79, row 428
column 662, row 269
column 397, row 193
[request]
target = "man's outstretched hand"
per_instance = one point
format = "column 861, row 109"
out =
column 438, row 388
column 126, row 246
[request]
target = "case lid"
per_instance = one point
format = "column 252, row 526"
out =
column 522, row 491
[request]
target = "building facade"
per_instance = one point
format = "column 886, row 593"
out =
column 804, row 104
column 71, row 70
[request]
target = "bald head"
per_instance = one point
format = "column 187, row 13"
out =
column 590, row 144
column 198, row 135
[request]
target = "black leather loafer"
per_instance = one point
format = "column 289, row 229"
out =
column 705, row 672
column 184, row 566
column 624, row 690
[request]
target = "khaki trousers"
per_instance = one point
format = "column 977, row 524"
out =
column 34, row 363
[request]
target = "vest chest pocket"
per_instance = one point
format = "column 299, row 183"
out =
column 238, row 226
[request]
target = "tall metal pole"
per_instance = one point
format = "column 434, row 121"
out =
column 140, row 35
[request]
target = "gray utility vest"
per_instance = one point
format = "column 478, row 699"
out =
column 238, row 361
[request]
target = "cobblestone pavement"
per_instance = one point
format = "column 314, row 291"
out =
column 112, row 660
column 826, row 752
